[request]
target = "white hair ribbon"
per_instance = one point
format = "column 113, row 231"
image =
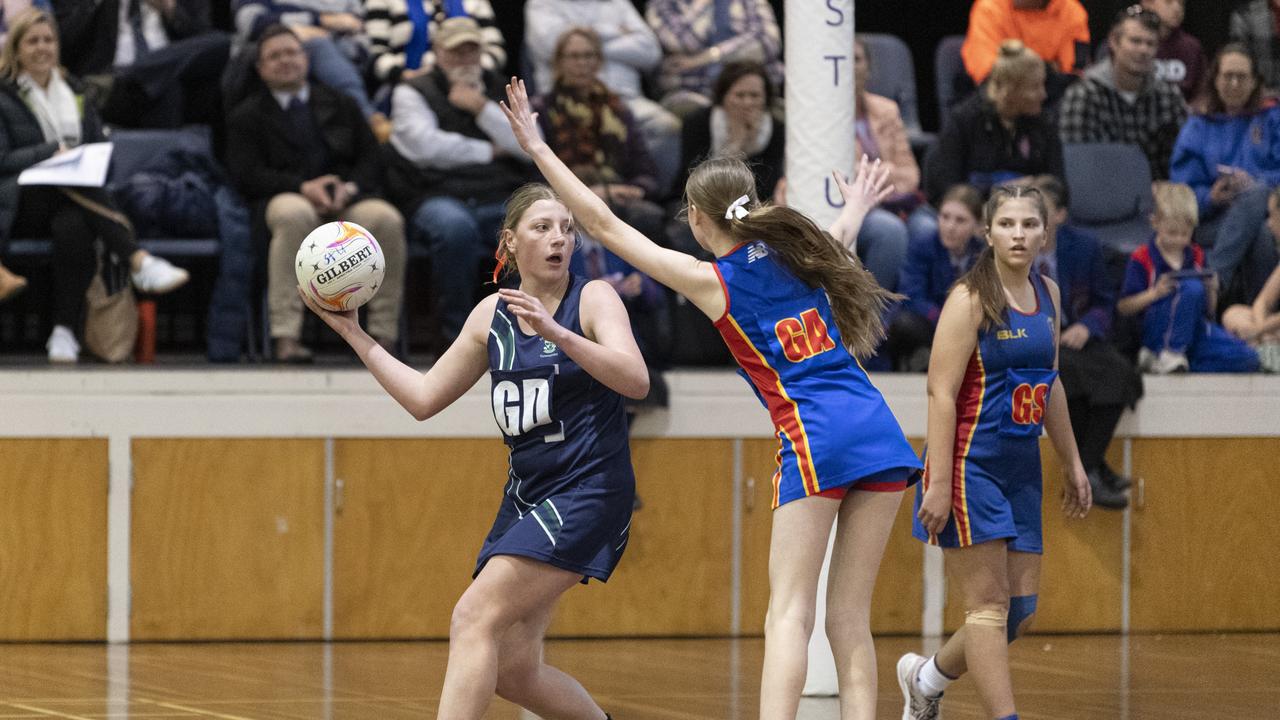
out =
column 736, row 209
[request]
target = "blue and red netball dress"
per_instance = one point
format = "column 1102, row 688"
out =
column 834, row 426
column 570, row 487
column 995, row 477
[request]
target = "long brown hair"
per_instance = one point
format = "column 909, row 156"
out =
column 982, row 279
column 810, row 253
column 1210, row 101
column 521, row 200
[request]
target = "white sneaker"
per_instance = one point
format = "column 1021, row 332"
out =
column 1170, row 362
column 1146, row 360
column 158, row 276
column 915, row 705
column 62, row 345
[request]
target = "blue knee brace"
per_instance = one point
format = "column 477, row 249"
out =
column 1020, row 608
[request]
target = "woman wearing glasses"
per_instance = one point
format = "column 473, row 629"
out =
column 1229, row 153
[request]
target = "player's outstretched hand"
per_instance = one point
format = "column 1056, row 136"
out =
column 530, row 309
column 869, row 188
column 342, row 322
column 524, row 122
column 935, row 508
column 1077, row 496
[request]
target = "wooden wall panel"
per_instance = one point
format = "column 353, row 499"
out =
column 1080, row 572
column 898, row 599
column 412, row 517
column 228, row 539
column 675, row 578
column 53, row 539
column 1204, row 538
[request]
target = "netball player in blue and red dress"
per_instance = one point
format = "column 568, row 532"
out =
column 993, row 386
column 561, row 357
column 791, row 302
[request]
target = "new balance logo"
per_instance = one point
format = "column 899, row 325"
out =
column 757, row 251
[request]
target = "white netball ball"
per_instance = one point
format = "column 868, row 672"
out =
column 340, row 265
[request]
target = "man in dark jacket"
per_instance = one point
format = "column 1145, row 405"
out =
column 301, row 153
column 161, row 56
column 454, row 160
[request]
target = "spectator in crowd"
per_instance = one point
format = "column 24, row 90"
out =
column 1000, row 133
column 1259, row 324
column 880, row 134
column 739, row 122
column 1121, row 100
column 1055, row 30
column 1179, row 57
column 1100, row 383
column 1256, row 25
column 1167, row 284
column 158, row 57
column 453, row 162
column 332, row 33
column 698, row 38
column 301, row 154
column 1229, row 153
column 593, row 132
column 44, row 112
column 401, row 33
column 630, row 51
column 933, row 264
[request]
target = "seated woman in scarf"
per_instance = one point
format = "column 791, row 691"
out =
column 43, row 113
column 591, row 129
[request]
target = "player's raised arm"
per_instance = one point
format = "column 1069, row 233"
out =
column 683, row 273
column 869, row 188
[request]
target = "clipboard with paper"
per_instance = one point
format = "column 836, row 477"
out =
column 82, row 166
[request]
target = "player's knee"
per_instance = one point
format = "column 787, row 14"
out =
column 1022, row 610
column 789, row 617
column 988, row 616
column 470, row 616
column 843, row 623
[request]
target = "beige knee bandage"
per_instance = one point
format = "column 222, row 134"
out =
column 989, row 618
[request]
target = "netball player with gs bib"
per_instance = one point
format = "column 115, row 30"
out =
column 794, row 305
column 993, row 386
column 561, row 357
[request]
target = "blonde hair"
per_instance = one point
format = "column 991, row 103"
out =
column 1014, row 62
column 520, row 201
column 982, row 279
column 19, row 26
column 1175, row 202
column 810, row 253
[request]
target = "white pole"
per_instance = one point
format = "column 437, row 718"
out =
column 819, row 92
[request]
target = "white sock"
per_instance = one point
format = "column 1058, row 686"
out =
column 930, row 679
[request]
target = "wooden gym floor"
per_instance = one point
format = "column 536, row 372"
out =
column 1169, row 677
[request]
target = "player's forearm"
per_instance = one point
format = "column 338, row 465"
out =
column 621, row 372
column 1057, row 423
column 941, row 437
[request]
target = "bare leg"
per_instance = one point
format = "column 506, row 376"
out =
column 797, row 546
column 525, row 679
column 983, row 575
column 508, row 590
column 866, row 518
column 1024, row 579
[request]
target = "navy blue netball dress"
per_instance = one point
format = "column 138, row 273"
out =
column 996, row 483
column 570, row 486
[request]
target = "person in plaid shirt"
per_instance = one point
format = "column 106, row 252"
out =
column 1121, row 100
column 698, row 38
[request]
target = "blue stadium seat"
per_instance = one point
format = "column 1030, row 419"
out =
column 1110, row 187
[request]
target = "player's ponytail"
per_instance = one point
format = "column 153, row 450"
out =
column 811, row 254
column 983, row 280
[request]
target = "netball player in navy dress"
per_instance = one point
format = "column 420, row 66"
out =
column 791, row 303
column 561, row 357
column 993, row 386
